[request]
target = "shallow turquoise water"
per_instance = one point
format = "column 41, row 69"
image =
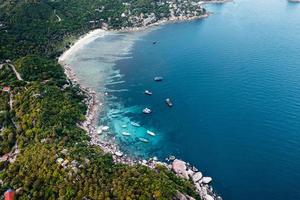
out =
column 234, row 79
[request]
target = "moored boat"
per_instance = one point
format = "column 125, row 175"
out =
column 169, row 102
column 147, row 110
column 135, row 124
column 126, row 134
column 147, row 92
column 144, row 140
column 158, row 78
column 150, row 133
column 105, row 128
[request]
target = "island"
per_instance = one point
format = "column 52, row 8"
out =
column 45, row 151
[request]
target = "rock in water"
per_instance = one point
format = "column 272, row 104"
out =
column 197, row 176
column 206, row 180
column 172, row 158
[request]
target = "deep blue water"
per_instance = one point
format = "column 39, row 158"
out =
column 234, row 79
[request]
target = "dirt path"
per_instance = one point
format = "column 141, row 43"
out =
column 59, row 19
column 16, row 72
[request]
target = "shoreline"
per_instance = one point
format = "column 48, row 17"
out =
column 183, row 169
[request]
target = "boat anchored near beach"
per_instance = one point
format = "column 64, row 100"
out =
column 158, row 78
column 126, row 134
column 147, row 92
column 144, row 140
column 150, row 133
column 147, row 110
column 169, row 102
column 135, row 124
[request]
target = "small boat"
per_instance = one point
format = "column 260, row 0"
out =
column 143, row 140
column 135, row 124
column 147, row 92
column 151, row 133
column 105, row 128
column 169, row 102
column 158, row 78
column 154, row 42
column 126, row 134
column 147, row 110
column 124, row 126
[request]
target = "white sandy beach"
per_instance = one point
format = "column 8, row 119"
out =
column 85, row 39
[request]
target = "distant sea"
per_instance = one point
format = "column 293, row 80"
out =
column 234, row 79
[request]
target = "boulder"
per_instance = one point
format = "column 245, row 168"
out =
column 194, row 169
column 190, row 173
column 119, row 153
column 197, row 176
column 179, row 167
column 198, row 187
column 172, row 158
column 208, row 197
column 180, row 196
column 206, row 180
column 144, row 162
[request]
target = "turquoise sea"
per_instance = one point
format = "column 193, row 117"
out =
column 234, row 79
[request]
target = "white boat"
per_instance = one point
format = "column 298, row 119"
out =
column 124, row 126
column 150, row 133
column 169, row 102
column 143, row 140
column 105, row 128
column 147, row 110
column 158, row 78
column 126, row 133
column 135, row 124
column 147, row 92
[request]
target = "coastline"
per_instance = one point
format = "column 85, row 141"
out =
column 161, row 22
column 179, row 167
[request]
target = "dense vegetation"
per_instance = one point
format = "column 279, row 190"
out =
column 54, row 159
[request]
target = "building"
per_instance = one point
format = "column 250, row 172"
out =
column 9, row 195
column 6, row 89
